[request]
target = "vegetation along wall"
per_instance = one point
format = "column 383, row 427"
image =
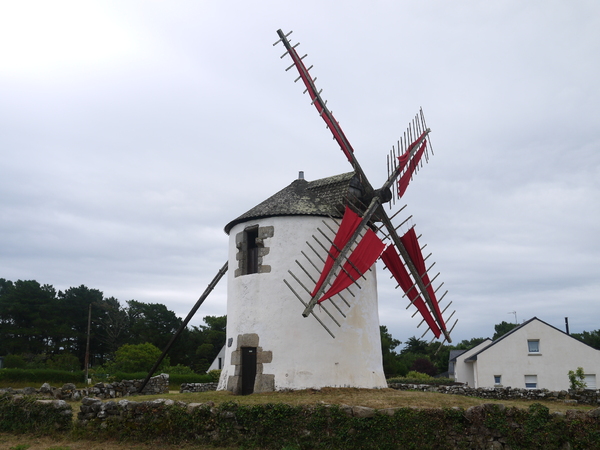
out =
column 329, row 426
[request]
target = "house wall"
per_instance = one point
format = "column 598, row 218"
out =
column 465, row 372
column 558, row 354
column 295, row 352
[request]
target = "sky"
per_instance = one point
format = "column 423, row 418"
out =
column 132, row 132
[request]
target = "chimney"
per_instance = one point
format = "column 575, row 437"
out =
column 567, row 324
column 301, row 175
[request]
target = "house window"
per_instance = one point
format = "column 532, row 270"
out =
column 533, row 345
column 530, row 381
column 590, row 381
column 497, row 380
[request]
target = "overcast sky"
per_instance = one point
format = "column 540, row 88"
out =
column 132, row 132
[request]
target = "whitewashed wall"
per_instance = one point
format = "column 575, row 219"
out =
column 464, row 372
column 304, row 355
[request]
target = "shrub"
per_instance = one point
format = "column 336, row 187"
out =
column 576, row 379
column 14, row 362
column 214, row 375
column 179, row 369
column 418, row 375
column 138, row 358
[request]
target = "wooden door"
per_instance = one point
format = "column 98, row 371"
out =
column 248, row 369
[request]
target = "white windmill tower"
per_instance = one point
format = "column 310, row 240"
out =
column 302, row 290
column 270, row 345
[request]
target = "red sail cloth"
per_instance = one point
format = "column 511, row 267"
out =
column 409, row 240
column 349, row 224
column 362, row 258
column 412, row 165
column 403, row 159
column 392, row 261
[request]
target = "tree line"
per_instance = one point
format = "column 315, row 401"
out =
column 42, row 324
column 50, row 327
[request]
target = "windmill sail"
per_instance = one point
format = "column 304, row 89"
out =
column 350, row 223
column 412, row 246
column 362, row 258
column 394, row 264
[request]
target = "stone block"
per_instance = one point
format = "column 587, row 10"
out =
column 264, row 357
column 264, row 383
column 247, row 340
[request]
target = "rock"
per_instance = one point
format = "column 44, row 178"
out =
column 363, row 411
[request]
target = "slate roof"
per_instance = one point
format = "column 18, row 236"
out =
column 324, row 197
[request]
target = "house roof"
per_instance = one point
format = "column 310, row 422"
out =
column 323, row 197
column 524, row 324
column 455, row 354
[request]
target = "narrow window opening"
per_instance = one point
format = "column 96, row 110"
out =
column 251, row 250
column 497, row 379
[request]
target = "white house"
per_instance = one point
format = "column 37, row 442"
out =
column 270, row 345
column 534, row 355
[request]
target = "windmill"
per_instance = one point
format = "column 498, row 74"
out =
column 353, row 250
column 308, row 252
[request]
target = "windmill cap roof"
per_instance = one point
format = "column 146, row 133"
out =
column 323, row 197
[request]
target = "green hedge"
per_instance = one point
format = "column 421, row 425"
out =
column 40, row 376
column 431, row 380
column 280, row 426
column 24, row 414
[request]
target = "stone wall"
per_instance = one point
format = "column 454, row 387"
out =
column 487, row 426
column 584, row 396
column 156, row 385
column 187, row 388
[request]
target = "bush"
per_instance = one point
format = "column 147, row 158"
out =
column 418, row 375
column 215, row 375
column 26, row 415
column 14, row 362
column 577, row 379
column 179, row 369
column 419, row 379
column 138, row 358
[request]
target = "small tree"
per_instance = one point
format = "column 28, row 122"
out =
column 576, row 379
column 138, row 358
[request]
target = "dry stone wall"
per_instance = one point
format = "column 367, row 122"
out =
column 583, row 396
column 124, row 388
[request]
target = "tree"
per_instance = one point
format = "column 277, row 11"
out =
column 591, row 338
column 415, row 346
column 114, row 324
column 392, row 366
column 468, row 344
column 424, row 365
column 26, row 317
column 502, row 328
column 72, row 313
column 151, row 322
column 138, row 358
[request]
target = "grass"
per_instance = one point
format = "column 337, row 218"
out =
column 372, row 398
